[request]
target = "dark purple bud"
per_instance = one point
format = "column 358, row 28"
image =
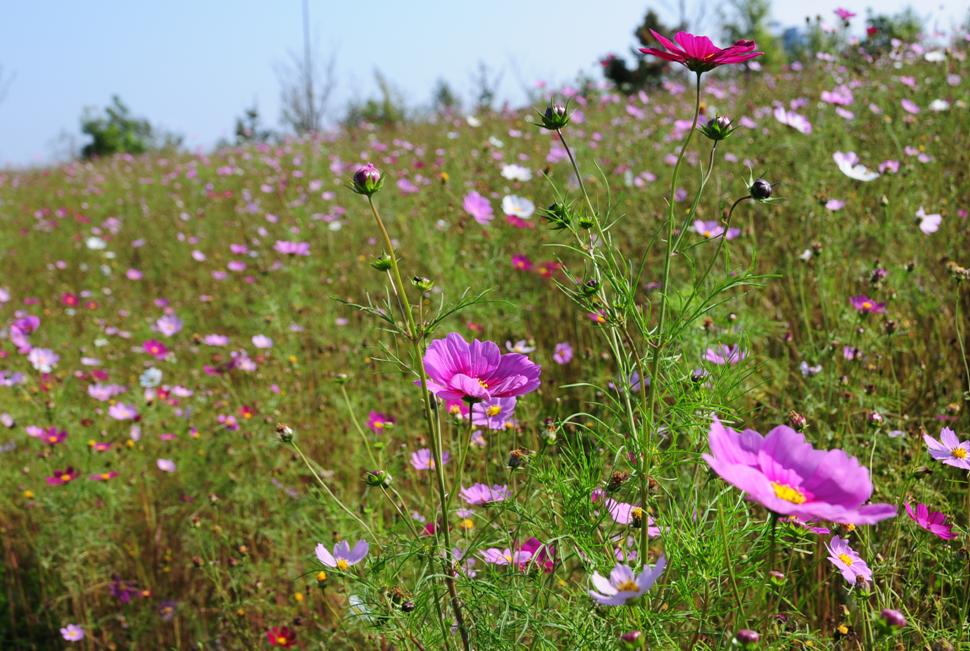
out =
column 368, row 180
column 747, row 637
column 760, row 190
column 893, row 617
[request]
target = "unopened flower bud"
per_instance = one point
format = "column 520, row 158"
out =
column 378, row 478
column 585, row 222
column 557, row 215
column 630, row 639
column 760, row 190
column 796, row 421
column 893, row 618
column 367, row 180
column 717, row 128
column 746, row 638
column 382, row 262
column 617, row 479
column 422, row 283
column 555, row 117
column 284, row 432
column 518, row 458
column 590, row 287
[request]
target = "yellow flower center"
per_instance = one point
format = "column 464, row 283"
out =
column 342, row 564
column 508, row 557
column 52, row 439
column 493, row 410
column 960, row 453
column 379, row 424
column 467, row 524
column 866, row 305
column 106, row 475
column 454, row 410
column 281, row 639
column 483, row 384
column 65, row 477
column 321, row 576
column 789, row 494
column 628, row 586
column 845, row 558
column 708, row 234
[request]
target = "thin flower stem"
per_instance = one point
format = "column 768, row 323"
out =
column 416, row 339
column 720, row 240
column 661, row 322
column 729, row 563
column 330, row 493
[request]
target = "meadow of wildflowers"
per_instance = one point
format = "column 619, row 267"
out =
column 679, row 369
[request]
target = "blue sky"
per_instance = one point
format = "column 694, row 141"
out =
column 192, row 66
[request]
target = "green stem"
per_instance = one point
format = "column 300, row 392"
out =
column 416, row 339
column 661, row 323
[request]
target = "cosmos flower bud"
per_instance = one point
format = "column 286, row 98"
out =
column 284, row 432
column 590, row 287
column 586, row 222
column 557, row 215
column 378, row 478
column 367, row 180
column 760, row 190
column 422, row 283
column 893, row 618
column 555, row 117
column 408, row 606
column 630, row 639
column 518, row 458
column 717, row 128
column 796, row 421
column 746, row 638
column 382, row 262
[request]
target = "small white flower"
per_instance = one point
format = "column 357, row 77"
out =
column 938, row 105
column 151, row 378
column 517, row 206
column 96, row 243
column 928, row 223
column 848, row 163
column 516, row 173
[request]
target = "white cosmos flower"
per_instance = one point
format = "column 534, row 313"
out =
column 516, row 173
column 96, row 243
column 938, row 105
column 517, row 206
column 935, row 56
column 797, row 122
column 928, row 223
column 849, row 165
column 473, row 121
column 521, row 346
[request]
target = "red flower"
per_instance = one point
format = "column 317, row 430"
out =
column 699, row 54
column 281, row 636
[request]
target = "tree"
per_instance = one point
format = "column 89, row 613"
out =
column 751, row 21
column 485, row 86
column 249, row 128
column 649, row 71
column 305, row 87
column 118, row 131
column 386, row 110
column 443, row 98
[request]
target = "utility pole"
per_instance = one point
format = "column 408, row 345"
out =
column 308, row 69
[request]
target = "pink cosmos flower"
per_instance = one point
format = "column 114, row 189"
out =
column 61, row 477
column 521, row 262
column 932, row 521
column 725, row 354
column 459, row 370
column 262, row 341
column 478, row 494
column 540, row 555
column 928, row 223
column 168, row 325
column 698, row 53
column 949, row 449
column 343, row 556
column 563, row 353
column 848, row 562
column 423, row 459
column 43, row 359
column 72, row 633
column 786, row 475
column 105, row 392
column 844, row 14
column 51, row 435
column 292, row 248
column 866, row 305
column 496, row 556
column 623, row 513
column 377, row 421
column 103, row 476
column 121, row 411
column 478, row 207
column 494, row 413
column 155, row 348
column 713, row 229
column 165, row 465
column 623, row 585
column 910, row 106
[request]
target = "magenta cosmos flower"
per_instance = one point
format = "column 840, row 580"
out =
column 458, row 370
column 932, row 521
column 949, row 449
column 786, row 475
column 343, row 556
column 698, row 53
column 623, row 585
column 61, row 477
column 423, row 459
column 378, row 421
column 845, row 558
column 866, row 305
column 725, row 354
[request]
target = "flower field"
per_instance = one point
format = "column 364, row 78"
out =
column 684, row 368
